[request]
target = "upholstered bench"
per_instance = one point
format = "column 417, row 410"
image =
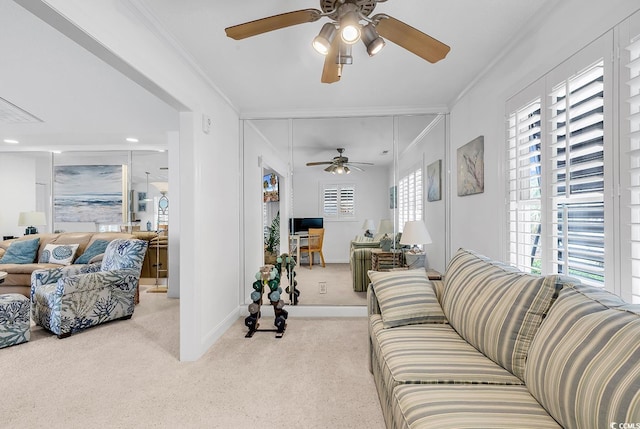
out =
column 14, row 319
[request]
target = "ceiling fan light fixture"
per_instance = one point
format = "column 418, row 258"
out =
column 372, row 40
column 322, row 42
column 350, row 25
column 346, row 169
column 344, row 54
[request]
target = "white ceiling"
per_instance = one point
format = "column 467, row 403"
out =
column 82, row 101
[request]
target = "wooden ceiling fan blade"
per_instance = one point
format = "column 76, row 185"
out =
column 361, row 163
column 276, row 22
column 350, row 165
column 310, row 164
column 411, row 39
column 331, row 70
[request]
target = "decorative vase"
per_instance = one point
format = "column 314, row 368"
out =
column 385, row 243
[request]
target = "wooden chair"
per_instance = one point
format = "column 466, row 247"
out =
column 316, row 237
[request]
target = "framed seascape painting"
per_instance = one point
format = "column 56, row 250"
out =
column 471, row 167
column 88, row 193
column 434, row 171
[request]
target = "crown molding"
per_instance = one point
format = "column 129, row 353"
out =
column 344, row 113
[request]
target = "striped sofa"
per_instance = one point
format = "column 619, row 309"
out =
column 360, row 259
column 492, row 347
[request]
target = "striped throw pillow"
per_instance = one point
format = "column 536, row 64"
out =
column 406, row 298
column 584, row 363
column 495, row 307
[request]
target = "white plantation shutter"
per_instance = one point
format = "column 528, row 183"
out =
column 338, row 201
column 576, row 167
column 347, row 201
column 524, row 187
column 410, row 197
column 633, row 100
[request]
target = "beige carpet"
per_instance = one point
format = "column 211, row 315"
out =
column 126, row 374
column 336, row 279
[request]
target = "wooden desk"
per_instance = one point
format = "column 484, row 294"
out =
column 297, row 239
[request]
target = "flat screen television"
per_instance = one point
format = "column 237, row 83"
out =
column 302, row 224
column 270, row 190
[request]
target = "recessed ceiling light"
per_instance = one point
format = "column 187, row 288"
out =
column 11, row 141
column 132, row 140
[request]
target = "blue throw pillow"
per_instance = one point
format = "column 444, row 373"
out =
column 96, row 248
column 21, row 252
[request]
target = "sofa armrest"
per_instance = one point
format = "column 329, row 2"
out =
column 125, row 280
column 438, row 287
column 52, row 275
column 373, row 307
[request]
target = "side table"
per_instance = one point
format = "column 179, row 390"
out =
column 385, row 261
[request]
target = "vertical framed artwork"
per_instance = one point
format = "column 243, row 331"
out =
column 434, row 187
column 470, row 167
column 89, row 193
column 393, row 197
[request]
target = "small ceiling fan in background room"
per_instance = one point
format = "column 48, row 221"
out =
column 339, row 164
column 350, row 23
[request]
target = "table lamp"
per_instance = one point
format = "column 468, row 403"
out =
column 415, row 233
column 385, row 227
column 368, row 227
column 29, row 219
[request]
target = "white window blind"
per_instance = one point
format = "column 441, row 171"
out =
column 338, row 201
column 410, row 197
column 634, row 140
column 576, row 168
column 524, row 187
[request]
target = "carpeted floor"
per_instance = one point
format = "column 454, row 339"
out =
column 126, row 374
column 337, row 284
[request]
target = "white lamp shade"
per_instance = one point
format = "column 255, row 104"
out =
column 368, row 224
column 32, row 219
column 415, row 232
column 385, row 226
column 163, row 187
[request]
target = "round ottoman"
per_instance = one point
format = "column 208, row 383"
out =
column 14, row 319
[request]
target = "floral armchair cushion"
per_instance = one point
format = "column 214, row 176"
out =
column 69, row 299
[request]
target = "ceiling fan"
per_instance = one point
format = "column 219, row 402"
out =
column 340, row 164
column 336, row 38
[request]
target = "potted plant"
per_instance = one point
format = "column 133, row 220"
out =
column 272, row 241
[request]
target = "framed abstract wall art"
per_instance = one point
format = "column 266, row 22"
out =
column 470, row 167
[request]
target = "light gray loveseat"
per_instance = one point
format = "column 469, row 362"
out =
column 492, row 347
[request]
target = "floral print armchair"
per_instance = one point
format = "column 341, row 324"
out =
column 71, row 298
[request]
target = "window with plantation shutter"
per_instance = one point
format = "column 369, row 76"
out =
column 338, row 201
column 524, row 187
column 633, row 123
column 576, row 171
column 410, row 197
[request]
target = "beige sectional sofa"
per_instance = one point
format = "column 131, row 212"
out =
column 18, row 279
column 489, row 346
